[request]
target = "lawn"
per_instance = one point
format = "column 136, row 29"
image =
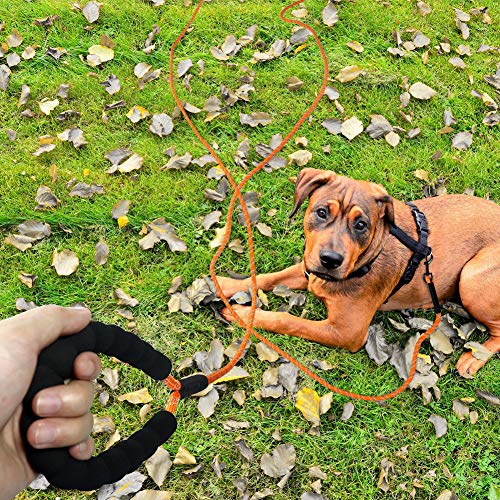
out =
column 466, row 459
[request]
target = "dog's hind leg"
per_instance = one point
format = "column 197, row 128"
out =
column 480, row 294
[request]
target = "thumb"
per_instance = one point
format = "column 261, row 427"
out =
column 40, row 327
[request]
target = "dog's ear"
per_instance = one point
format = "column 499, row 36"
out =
column 385, row 202
column 307, row 181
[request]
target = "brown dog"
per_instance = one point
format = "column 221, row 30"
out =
column 353, row 263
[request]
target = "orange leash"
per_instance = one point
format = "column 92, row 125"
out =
column 213, row 377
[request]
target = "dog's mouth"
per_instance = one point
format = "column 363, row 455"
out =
column 324, row 276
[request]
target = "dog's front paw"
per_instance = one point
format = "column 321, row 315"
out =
column 231, row 286
column 243, row 313
column 468, row 365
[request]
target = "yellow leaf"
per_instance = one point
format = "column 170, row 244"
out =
column 425, row 358
column 103, row 53
column 86, row 172
column 301, row 48
column 141, row 396
column 122, row 221
column 234, row 374
column 308, row 404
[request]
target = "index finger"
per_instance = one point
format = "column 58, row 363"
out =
column 40, row 327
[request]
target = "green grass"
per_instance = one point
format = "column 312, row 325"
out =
column 349, row 452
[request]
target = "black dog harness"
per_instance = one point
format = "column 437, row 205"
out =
column 419, row 248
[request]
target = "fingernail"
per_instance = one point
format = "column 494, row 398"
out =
column 47, row 405
column 45, row 435
column 82, row 448
column 86, row 368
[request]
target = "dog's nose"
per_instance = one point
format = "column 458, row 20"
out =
column 330, row 260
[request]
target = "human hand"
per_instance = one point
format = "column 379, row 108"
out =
column 65, row 409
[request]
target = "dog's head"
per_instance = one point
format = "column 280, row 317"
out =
column 344, row 222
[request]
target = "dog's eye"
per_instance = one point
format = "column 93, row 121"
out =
column 321, row 213
column 360, row 225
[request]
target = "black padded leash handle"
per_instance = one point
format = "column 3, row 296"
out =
column 55, row 364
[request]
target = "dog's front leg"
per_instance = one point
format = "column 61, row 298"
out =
column 346, row 328
column 292, row 277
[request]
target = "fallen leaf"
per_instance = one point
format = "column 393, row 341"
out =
column 293, row 83
column 111, row 84
column 423, row 8
column 300, row 158
column 120, row 208
column 460, row 409
column 110, row 377
column 22, row 305
column 457, row 62
column 123, row 221
column 91, row 11
column 123, row 299
column 421, row 91
column 462, row 141
column 308, row 404
column 348, row 74
column 479, row 351
column 280, row 463
column 131, row 483
column 255, row 119
column 101, row 253
column 440, row 425
column 103, row 424
column 351, row 128
column 158, row 465
column 333, row 125
column 207, row 403
column 14, row 39
column 161, row 125
column 137, row 397
column 392, row 139
column 386, row 472
column 183, row 67
column 35, row 229
column 178, row 162
column 46, row 198
column 39, row 483
column 329, row 14
column 65, row 262
column 28, row 279
column 160, row 230
column 491, row 399
column 347, row 411
column 83, row 190
column 184, row 457
column 236, row 373
column 47, row 106
column 356, row 46
column 137, row 113
column 379, row 127
column 99, row 54
column 245, row 451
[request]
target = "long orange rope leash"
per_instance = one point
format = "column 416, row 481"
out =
column 171, row 382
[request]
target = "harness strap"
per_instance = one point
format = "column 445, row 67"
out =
column 419, row 248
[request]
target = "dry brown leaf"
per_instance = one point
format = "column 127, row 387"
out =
column 392, row 138
column 111, row 84
column 103, row 424
column 137, row 113
column 300, row 158
column 347, row 411
column 101, row 253
column 47, row 106
column 462, row 141
column 351, row 128
column 137, row 397
column 329, row 14
column 28, row 279
column 207, row 403
column 161, row 125
column 114, row 438
column 184, row 457
column 65, row 262
column 348, row 74
column 255, row 119
column 440, row 425
column 158, row 465
column 457, row 62
column 421, row 91
column 20, row 241
column 386, row 472
column 123, row 299
column 110, row 377
column 280, row 463
column 91, row 11
column 46, row 198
